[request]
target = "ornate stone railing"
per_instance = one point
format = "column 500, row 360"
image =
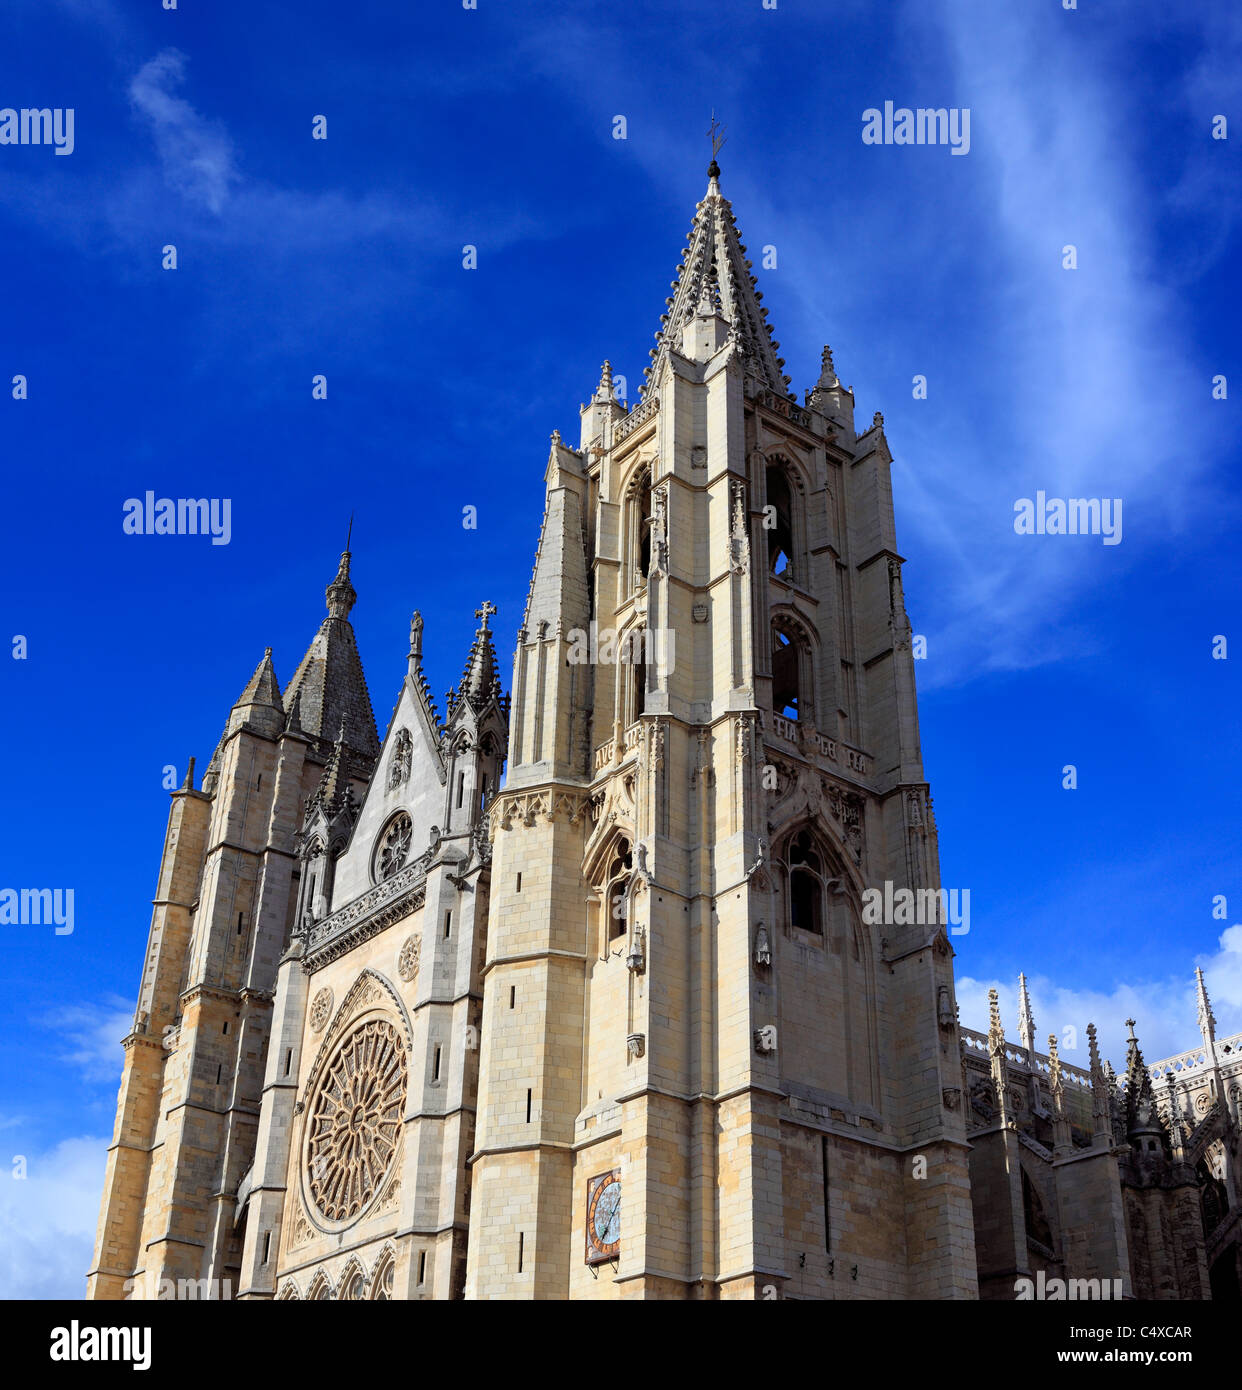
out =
column 1226, row 1049
column 629, row 742
column 1019, row 1059
column 782, row 405
column 843, row 754
column 641, row 413
column 368, row 914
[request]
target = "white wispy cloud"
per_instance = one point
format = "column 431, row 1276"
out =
column 197, row 154
column 48, row 1218
column 87, row 1036
column 1164, row 1009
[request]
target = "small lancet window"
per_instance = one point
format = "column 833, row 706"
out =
column 779, row 523
column 786, row 696
column 616, row 896
column 806, row 886
column 642, row 518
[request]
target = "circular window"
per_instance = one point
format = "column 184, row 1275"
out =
column 393, row 848
column 355, row 1121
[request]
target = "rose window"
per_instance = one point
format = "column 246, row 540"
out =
column 394, row 846
column 356, row 1121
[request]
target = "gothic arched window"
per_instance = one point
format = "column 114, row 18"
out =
column 791, row 672
column 383, row 1280
column 617, row 889
column 778, row 522
column 807, row 883
column 636, row 552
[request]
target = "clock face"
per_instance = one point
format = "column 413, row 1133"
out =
column 603, row 1217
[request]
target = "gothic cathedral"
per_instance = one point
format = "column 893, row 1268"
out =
column 613, row 1024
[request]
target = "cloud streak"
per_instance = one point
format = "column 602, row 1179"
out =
column 196, row 153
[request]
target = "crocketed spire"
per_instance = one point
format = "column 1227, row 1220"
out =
column 480, row 681
column 714, row 277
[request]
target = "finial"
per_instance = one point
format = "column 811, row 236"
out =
column 1026, row 1019
column 994, row 1018
column 1130, row 1026
column 340, row 593
column 605, row 391
column 877, row 421
column 717, row 138
column 188, row 784
column 416, row 636
column 267, row 652
column 349, row 535
column 485, row 612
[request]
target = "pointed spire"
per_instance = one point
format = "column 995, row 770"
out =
column 480, row 681
column 332, row 780
column 1026, row 1019
column 293, row 725
column 188, row 784
column 1000, row 1063
column 1177, row 1131
column 262, row 688
column 715, row 277
column 1140, row 1098
column 1101, row 1105
column 1062, row 1136
column 603, row 392
column 827, row 372
column 341, row 594
column 329, row 686
column 1207, row 1020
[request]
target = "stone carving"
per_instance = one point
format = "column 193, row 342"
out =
column 659, row 531
column 355, row 1121
column 407, row 960
column 739, row 541
column 321, row 1009
column 765, row 1038
column 763, row 947
column 636, row 1045
column 376, row 909
column 402, row 757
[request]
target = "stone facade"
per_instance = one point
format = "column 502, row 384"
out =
column 620, row 1027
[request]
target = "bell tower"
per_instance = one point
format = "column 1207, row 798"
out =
column 714, row 755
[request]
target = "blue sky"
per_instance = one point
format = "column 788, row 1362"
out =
column 494, row 128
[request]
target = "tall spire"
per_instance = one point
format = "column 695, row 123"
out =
column 1101, row 1103
column 1026, row 1020
column 1141, row 1116
column 715, row 272
column 329, row 687
column 1207, row 1020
